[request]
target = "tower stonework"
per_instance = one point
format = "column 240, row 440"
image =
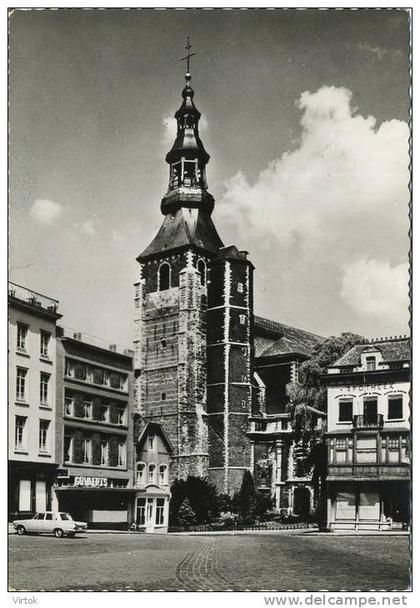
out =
column 229, row 356
column 193, row 323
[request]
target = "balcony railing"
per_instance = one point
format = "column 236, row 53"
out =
column 362, row 422
column 269, row 426
column 32, row 297
column 67, row 332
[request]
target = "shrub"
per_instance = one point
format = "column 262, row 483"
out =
column 186, row 515
column 224, row 503
column 247, row 498
column 263, row 504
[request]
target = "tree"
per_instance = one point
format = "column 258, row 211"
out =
column 247, row 497
column 186, row 515
column 178, row 495
column 224, row 503
column 308, row 397
column 202, row 496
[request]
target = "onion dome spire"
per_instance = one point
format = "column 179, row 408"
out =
column 187, row 158
column 187, row 205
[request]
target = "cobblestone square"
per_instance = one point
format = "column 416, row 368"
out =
column 283, row 561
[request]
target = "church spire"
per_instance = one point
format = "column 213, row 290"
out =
column 187, row 158
column 187, row 204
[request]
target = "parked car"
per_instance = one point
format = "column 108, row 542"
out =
column 59, row 524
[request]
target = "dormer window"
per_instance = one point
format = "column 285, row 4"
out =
column 370, row 363
column 164, row 276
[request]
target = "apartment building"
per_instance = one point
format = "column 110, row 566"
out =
column 32, row 400
column 94, row 435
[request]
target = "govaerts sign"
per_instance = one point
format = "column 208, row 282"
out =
column 91, row 482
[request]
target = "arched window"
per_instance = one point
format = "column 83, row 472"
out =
column 163, row 475
column 141, row 474
column 164, row 276
column 202, row 269
column 152, row 473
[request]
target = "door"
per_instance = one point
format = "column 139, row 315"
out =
column 150, row 524
column 40, row 496
column 370, row 411
column 141, row 512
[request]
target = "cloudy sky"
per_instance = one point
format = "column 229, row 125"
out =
column 305, row 116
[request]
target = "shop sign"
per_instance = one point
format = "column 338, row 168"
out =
column 91, row 482
column 368, row 388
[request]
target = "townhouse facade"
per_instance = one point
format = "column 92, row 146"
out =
column 32, row 400
column 369, row 440
column 153, row 451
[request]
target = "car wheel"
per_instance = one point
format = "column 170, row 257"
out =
column 21, row 530
column 58, row 533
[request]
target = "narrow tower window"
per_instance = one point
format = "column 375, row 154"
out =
column 201, row 267
column 164, row 276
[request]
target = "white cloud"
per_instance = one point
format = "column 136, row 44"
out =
column 374, row 288
column 340, row 195
column 46, row 211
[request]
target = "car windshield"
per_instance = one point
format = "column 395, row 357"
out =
column 66, row 517
column 36, row 516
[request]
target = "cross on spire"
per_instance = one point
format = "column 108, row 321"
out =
column 188, row 55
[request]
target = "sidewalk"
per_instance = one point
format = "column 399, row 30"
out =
column 309, row 531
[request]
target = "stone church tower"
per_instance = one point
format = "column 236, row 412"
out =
column 193, row 323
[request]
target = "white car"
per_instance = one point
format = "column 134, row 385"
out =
column 58, row 524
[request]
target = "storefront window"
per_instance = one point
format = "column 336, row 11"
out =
column 40, row 496
column 160, row 510
column 369, row 505
column 345, row 505
column 25, row 495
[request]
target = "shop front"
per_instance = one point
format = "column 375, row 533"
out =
column 152, row 512
column 368, row 505
column 30, row 488
column 104, row 503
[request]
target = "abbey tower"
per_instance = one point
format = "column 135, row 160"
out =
column 193, row 323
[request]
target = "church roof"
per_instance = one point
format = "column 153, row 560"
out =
column 391, row 349
column 272, row 338
column 185, row 227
